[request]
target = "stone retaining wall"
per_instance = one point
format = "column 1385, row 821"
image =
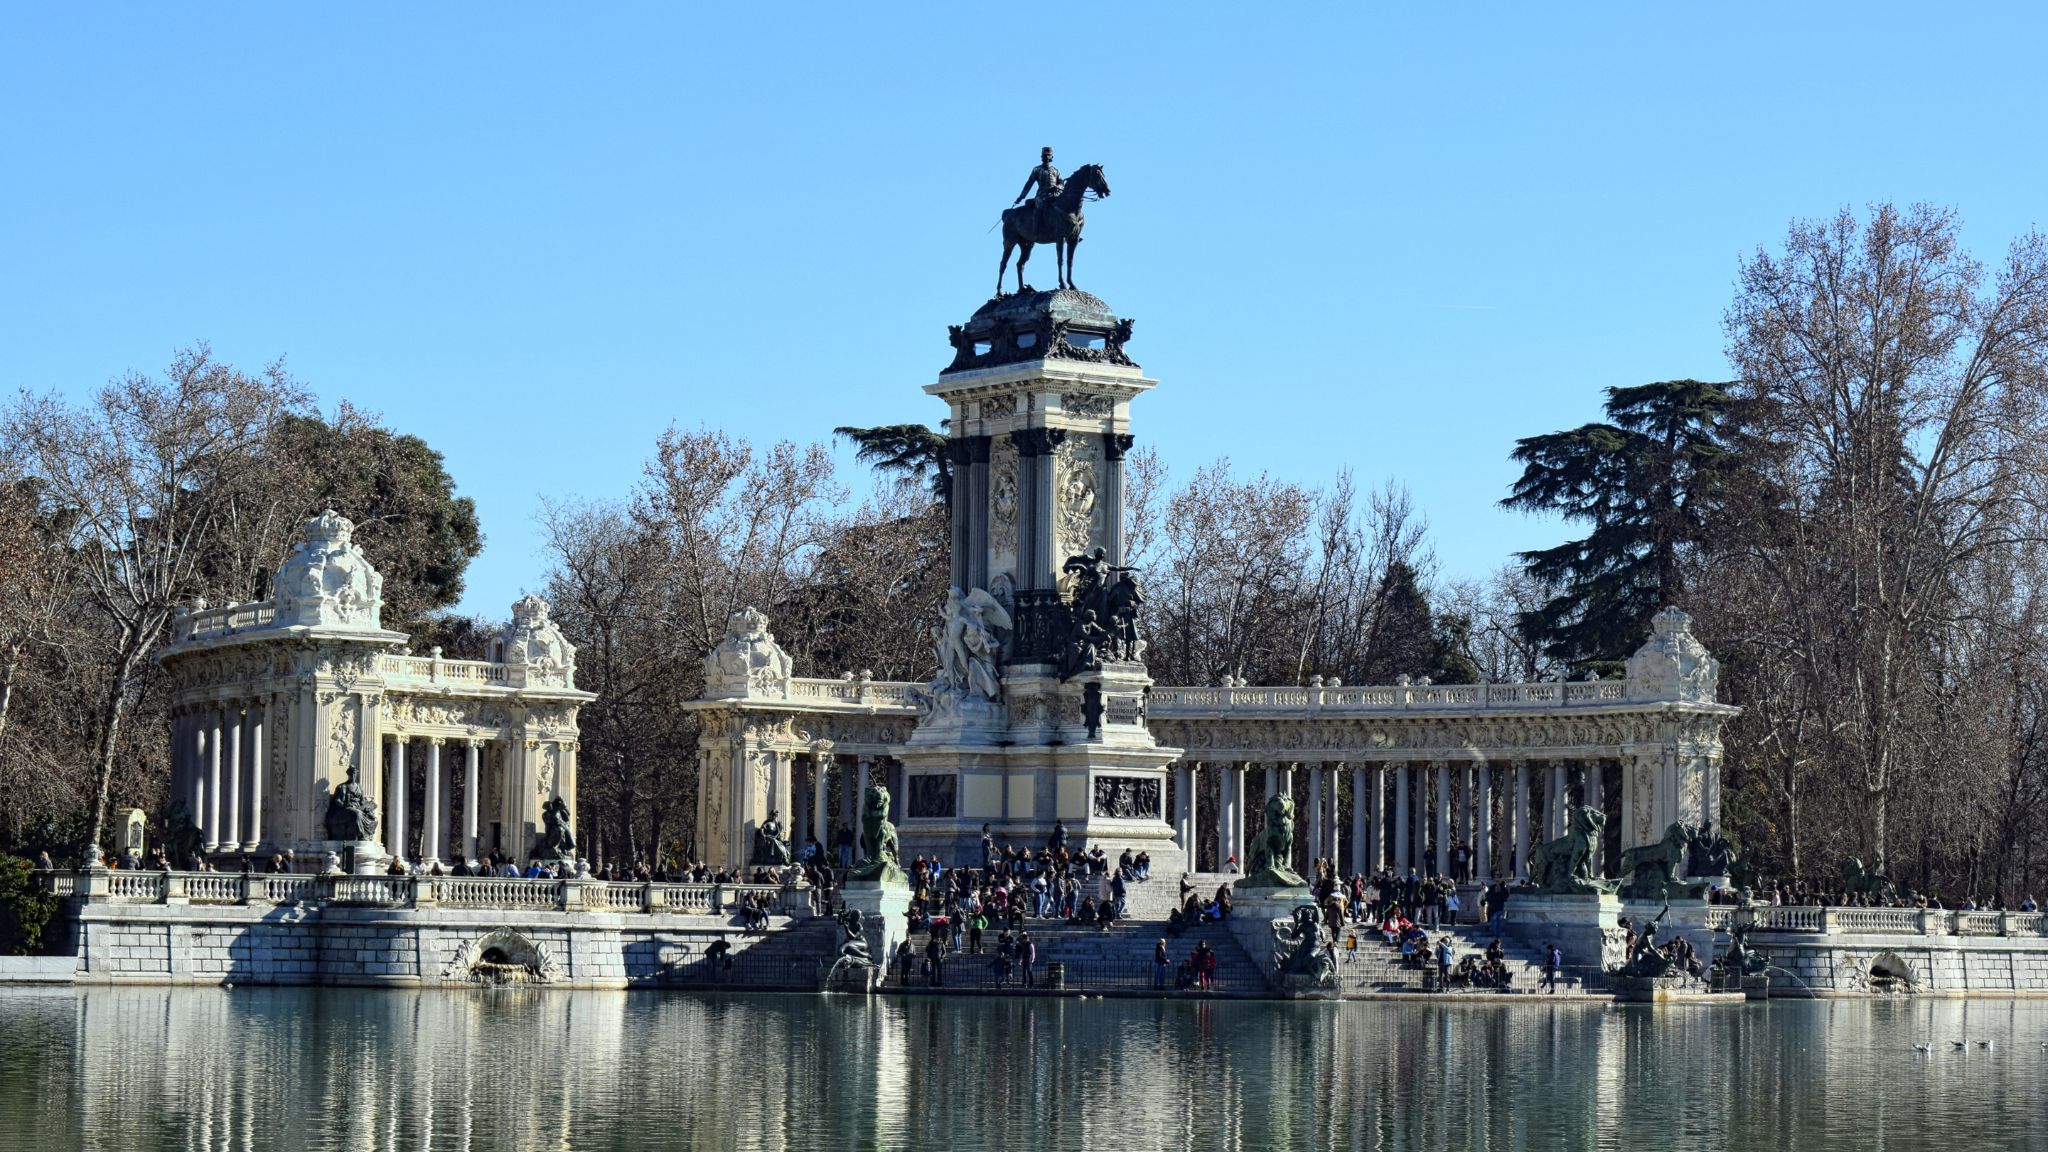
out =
column 1823, row 966
column 427, row 947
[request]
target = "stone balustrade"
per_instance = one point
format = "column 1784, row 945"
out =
column 588, row 895
column 226, row 620
column 1834, row 921
column 1174, row 701
column 415, row 672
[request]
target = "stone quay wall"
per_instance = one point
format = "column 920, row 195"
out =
column 1823, row 952
column 425, row 932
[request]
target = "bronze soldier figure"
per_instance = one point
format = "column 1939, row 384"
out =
column 1046, row 179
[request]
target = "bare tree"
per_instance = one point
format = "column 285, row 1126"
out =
column 1894, row 406
column 140, row 477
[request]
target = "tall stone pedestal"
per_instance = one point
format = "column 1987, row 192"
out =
column 1253, row 914
column 884, row 910
column 1587, row 928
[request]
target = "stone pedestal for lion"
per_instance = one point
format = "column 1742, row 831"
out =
column 1587, row 927
column 884, row 910
column 1254, row 914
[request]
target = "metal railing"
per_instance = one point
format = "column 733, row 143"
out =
column 987, row 972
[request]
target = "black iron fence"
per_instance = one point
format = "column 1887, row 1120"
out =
column 987, row 972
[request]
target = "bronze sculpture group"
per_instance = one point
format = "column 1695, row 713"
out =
column 1053, row 217
column 556, row 841
column 1105, row 602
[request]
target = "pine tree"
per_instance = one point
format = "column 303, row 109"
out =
column 912, row 451
column 1644, row 482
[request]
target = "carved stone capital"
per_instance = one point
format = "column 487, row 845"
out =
column 1038, row 441
column 1115, row 444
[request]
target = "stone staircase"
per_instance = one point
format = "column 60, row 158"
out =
column 1376, row 966
column 788, row 955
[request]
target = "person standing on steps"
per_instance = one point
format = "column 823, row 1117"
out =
column 1553, row 959
column 1161, row 966
column 1027, row 955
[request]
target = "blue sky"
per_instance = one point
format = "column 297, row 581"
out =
column 536, row 235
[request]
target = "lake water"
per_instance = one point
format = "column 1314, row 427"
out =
column 500, row 1071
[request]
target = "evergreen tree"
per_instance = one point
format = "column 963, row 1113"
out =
column 912, row 451
column 1643, row 482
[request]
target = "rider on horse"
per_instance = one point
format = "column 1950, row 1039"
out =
column 1047, row 179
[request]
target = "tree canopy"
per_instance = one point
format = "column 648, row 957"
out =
column 1643, row 483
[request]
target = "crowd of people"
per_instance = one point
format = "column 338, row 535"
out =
column 955, row 909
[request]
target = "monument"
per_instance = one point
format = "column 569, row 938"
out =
column 877, row 892
column 1036, row 714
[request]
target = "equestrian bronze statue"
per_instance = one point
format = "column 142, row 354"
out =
column 1053, row 217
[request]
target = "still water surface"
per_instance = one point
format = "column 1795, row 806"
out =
column 263, row 1069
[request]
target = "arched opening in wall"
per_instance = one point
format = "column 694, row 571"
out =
column 1889, row 973
column 506, row 957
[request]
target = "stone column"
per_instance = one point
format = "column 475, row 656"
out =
column 252, row 837
column 1333, row 827
column 1401, row 819
column 1560, row 797
column 394, row 798
column 821, row 829
column 977, row 505
column 215, row 739
column 1376, row 852
column 1184, row 807
column 231, row 781
column 1519, row 807
column 1114, row 445
column 860, row 797
column 195, row 770
column 1596, row 797
column 1272, row 780
column 1482, row 835
column 1425, row 816
column 431, row 821
column 472, row 799
column 964, row 513
column 1225, row 805
column 782, row 766
column 1443, row 818
column 1315, row 808
column 1027, row 443
column 1468, row 817
column 1360, row 862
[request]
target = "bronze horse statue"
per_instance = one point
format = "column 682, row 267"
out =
column 1059, row 225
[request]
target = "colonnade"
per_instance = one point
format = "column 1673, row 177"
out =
column 1401, row 815
column 217, row 754
column 438, row 827
column 803, row 790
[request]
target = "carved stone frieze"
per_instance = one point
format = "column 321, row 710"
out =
column 1077, row 486
column 1082, row 404
column 1127, row 797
